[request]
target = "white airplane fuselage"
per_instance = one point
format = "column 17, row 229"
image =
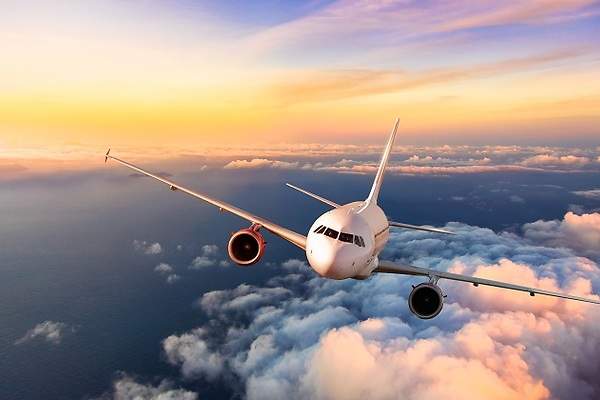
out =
column 334, row 258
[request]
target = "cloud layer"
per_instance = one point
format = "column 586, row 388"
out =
column 300, row 336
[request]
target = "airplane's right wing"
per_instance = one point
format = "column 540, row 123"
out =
column 394, row 268
column 287, row 234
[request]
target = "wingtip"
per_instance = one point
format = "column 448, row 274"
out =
column 107, row 155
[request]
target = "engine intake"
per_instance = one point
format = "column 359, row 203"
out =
column 246, row 246
column 426, row 300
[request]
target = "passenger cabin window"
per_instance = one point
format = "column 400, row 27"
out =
column 346, row 237
column 321, row 229
column 331, row 233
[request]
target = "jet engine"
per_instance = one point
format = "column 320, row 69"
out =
column 246, row 246
column 426, row 300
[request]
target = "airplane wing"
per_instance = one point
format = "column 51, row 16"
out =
column 419, row 228
column 390, row 267
column 287, row 234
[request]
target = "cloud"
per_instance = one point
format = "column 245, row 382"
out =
column 593, row 194
column 167, row 270
column 52, row 332
column 261, row 163
column 163, row 268
column 548, row 159
column 348, row 83
column 388, row 23
column 578, row 232
column 427, row 160
column 144, row 247
column 208, row 258
column 300, row 336
column 516, row 199
column 126, row 388
column 191, row 352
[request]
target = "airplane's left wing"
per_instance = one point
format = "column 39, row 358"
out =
column 287, row 234
column 394, row 268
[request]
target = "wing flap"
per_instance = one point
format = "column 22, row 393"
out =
column 394, row 268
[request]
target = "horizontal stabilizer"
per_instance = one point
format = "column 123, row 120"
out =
column 419, row 228
column 314, row 196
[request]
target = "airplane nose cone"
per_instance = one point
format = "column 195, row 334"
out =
column 321, row 259
column 330, row 261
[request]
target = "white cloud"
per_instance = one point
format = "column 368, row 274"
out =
column 261, row 163
column 172, row 278
column 208, row 258
column 593, row 194
column 126, row 388
column 191, row 352
column 163, row 268
column 210, row 250
column 301, row 336
column 516, row 199
column 578, row 232
column 144, row 247
column 50, row 331
column 549, row 159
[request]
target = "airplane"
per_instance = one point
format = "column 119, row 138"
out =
column 346, row 241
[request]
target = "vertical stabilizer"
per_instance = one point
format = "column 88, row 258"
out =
column 374, row 194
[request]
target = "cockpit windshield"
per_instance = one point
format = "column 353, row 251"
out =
column 331, row 233
column 341, row 236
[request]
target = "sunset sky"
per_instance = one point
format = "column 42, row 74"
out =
column 189, row 74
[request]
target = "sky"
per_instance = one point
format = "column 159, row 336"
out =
column 188, row 74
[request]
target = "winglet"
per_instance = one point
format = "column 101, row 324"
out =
column 374, row 194
column 106, row 155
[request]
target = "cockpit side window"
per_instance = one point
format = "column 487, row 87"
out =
column 321, row 229
column 346, row 237
column 331, row 233
column 317, row 229
column 362, row 241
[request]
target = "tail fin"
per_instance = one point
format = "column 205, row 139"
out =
column 374, row 194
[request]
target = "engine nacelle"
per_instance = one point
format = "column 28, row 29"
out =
column 246, row 246
column 426, row 300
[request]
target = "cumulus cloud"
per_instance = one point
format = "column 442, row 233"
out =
column 168, row 271
column 191, row 351
column 549, row 159
column 300, row 336
column 208, row 258
column 127, row 388
column 163, row 268
column 50, row 331
column 578, row 232
column 144, row 247
column 261, row 163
